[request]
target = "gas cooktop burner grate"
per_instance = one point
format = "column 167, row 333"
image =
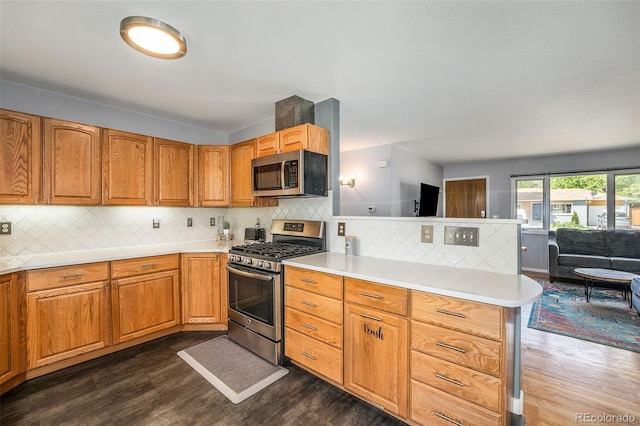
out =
column 274, row 250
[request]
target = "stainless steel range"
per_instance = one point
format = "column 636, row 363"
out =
column 256, row 284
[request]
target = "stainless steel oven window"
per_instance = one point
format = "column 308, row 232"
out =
column 252, row 294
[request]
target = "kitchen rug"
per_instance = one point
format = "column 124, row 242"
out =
column 235, row 371
column 606, row 319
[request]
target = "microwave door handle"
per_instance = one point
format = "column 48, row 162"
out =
column 282, row 174
column 259, row 277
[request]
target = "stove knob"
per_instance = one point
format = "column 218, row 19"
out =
column 267, row 265
column 247, row 261
column 260, row 263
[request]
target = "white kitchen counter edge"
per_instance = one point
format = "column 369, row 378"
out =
column 12, row 264
column 507, row 290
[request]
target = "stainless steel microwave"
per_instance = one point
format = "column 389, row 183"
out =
column 295, row 173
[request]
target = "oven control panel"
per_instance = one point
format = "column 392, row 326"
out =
column 263, row 265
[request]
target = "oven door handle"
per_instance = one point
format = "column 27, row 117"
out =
column 249, row 274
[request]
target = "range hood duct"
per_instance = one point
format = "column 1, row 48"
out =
column 293, row 111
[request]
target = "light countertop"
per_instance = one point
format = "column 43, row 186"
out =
column 26, row 262
column 508, row 290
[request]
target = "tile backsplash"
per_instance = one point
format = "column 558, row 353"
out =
column 49, row 229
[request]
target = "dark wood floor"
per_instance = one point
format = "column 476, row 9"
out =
column 150, row 385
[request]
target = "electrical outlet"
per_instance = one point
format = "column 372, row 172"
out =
column 156, row 223
column 426, row 234
column 460, row 236
column 5, row 228
column 189, row 222
column 212, row 221
column 341, row 229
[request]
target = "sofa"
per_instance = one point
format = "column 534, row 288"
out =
column 635, row 294
column 571, row 248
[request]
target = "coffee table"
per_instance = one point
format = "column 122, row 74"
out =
column 591, row 275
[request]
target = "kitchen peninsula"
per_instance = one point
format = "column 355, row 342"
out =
column 426, row 343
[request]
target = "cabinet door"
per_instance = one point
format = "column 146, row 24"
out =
column 305, row 136
column 11, row 354
column 268, row 144
column 66, row 322
column 19, row 157
column 71, row 163
column 127, row 168
column 201, row 288
column 144, row 304
column 213, row 175
column 241, row 156
column 375, row 357
column 174, row 173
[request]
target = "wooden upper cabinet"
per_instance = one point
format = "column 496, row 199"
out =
column 268, row 144
column 174, row 173
column 213, row 176
column 241, row 155
column 20, row 158
column 71, row 163
column 304, row 136
column 127, row 168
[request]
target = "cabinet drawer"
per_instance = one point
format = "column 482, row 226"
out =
column 378, row 296
column 44, row 279
column 317, row 356
column 468, row 384
column 144, row 265
column 471, row 317
column 312, row 326
column 463, row 349
column 314, row 281
column 430, row 406
column 314, row 304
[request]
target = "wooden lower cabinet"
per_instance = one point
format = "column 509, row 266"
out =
column 313, row 321
column 12, row 350
column 144, row 304
column 375, row 357
column 67, row 321
column 458, row 361
column 201, row 301
column 430, row 406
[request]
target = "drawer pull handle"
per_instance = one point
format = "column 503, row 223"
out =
column 454, row 348
column 443, row 377
column 149, row 265
column 443, row 417
column 64, row 277
column 371, row 317
column 308, row 356
column 374, row 296
column 308, row 280
column 310, row 327
column 311, row 305
column 455, row 314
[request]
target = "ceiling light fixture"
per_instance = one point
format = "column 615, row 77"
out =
column 153, row 37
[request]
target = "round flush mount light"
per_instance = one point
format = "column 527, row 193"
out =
column 153, row 37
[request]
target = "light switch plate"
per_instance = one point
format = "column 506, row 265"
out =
column 461, row 236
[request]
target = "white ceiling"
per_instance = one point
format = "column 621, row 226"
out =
column 453, row 81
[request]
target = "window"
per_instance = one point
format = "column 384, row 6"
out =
column 601, row 200
column 529, row 202
column 561, row 208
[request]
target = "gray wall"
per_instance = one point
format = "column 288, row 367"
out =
column 390, row 189
column 500, row 171
column 55, row 105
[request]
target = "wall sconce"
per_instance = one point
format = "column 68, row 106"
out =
column 350, row 183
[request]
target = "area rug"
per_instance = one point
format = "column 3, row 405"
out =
column 606, row 319
column 236, row 372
